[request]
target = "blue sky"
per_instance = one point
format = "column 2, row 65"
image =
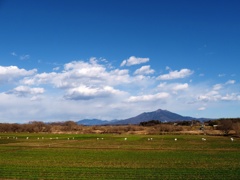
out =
column 109, row 59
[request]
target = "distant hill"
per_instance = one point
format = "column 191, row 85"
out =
column 161, row 115
column 90, row 122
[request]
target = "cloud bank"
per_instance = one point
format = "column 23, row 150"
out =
column 94, row 89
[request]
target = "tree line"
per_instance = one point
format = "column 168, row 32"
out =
column 38, row 126
column 225, row 125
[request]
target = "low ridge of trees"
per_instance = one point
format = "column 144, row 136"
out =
column 224, row 126
column 150, row 123
column 188, row 123
column 38, row 126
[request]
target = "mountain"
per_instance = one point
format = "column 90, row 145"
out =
column 91, row 122
column 161, row 115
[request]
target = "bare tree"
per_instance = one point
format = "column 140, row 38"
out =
column 225, row 125
column 70, row 126
column 236, row 128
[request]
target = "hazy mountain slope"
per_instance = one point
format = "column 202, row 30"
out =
column 161, row 115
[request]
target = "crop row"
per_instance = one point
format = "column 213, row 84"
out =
column 26, row 172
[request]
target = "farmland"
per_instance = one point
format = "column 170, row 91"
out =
column 108, row 156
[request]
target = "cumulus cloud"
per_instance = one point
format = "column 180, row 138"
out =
column 210, row 96
column 110, row 92
column 134, row 61
column 42, row 78
column 173, row 87
column 10, row 73
column 150, row 97
column 82, row 68
column 77, row 73
column 183, row 73
column 85, row 93
column 219, row 93
column 83, row 80
column 180, row 87
column 144, row 70
column 25, row 90
column 231, row 97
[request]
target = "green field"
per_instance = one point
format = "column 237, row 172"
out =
column 68, row 156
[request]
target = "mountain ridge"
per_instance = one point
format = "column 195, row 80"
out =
column 159, row 114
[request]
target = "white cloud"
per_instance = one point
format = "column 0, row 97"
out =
column 109, row 92
column 81, row 68
column 77, row 73
column 210, row 96
column 56, row 68
column 217, row 87
column 25, row 57
column 25, row 91
column 230, row 82
column 11, row 73
column 201, row 108
column 221, row 75
column 231, row 97
column 35, row 98
column 85, row 93
column 15, row 71
column 42, row 78
column 13, row 54
column 183, row 73
column 168, row 68
column 179, row 87
column 219, row 93
column 172, row 87
column 162, row 85
column 144, row 70
column 150, row 97
column 134, row 61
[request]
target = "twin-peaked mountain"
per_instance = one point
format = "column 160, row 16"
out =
column 161, row 115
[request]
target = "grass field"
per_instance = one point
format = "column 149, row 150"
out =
column 68, row 156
